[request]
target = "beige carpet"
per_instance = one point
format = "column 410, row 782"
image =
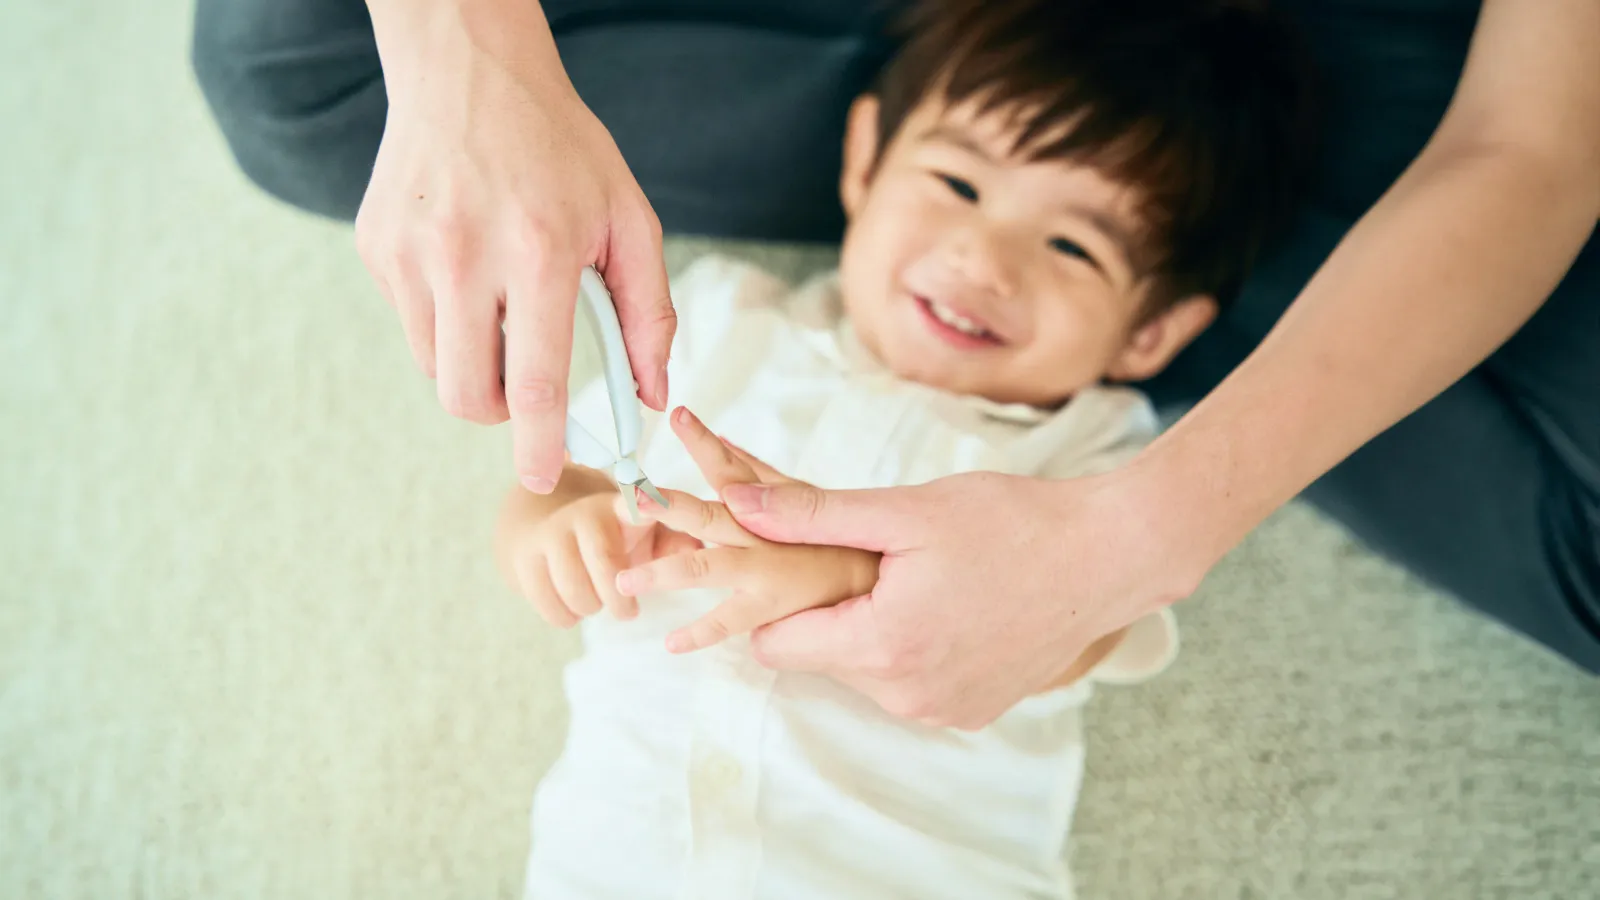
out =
column 251, row 644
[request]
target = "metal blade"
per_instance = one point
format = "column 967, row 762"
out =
column 630, row 500
column 651, row 492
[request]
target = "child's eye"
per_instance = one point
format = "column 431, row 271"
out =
column 1070, row 248
column 961, row 187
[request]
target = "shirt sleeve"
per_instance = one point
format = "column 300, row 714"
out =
column 1111, row 426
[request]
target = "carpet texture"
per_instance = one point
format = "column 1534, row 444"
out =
column 252, row 644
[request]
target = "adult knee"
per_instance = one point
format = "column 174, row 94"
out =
column 302, row 122
column 1571, row 539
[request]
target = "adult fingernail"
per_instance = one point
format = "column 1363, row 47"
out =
column 745, row 498
column 661, row 388
column 538, row 484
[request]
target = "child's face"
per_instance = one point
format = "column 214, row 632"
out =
column 971, row 271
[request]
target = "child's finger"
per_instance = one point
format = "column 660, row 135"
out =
column 603, row 557
column 716, row 455
column 708, row 522
column 571, row 579
column 638, row 541
column 533, row 575
column 720, row 465
column 742, row 613
column 764, row 473
column 665, row 542
column 714, row 567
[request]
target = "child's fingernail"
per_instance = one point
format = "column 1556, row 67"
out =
column 629, row 581
column 678, row 642
column 745, row 498
column 538, row 484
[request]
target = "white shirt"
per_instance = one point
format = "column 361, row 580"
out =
column 708, row 777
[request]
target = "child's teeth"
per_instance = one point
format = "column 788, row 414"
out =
column 959, row 323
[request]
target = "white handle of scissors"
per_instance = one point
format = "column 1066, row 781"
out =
column 588, row 450
column 624, row 391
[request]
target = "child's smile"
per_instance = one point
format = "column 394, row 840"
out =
column 956, row 327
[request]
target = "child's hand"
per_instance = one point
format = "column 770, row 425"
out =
column 769, row 580
column 566, row 564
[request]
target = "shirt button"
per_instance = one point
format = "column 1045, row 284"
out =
column 722, row 772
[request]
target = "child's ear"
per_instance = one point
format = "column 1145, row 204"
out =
column 860, row 152
column 1154, row 344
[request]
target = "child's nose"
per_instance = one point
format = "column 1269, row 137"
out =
column 978, row 257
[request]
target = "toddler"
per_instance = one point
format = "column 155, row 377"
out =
column 1047, row 200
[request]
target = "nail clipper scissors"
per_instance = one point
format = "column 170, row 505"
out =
column 585, row 448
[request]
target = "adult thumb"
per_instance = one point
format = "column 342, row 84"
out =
column 817, row 640
column 635, row 274
column 803, row 514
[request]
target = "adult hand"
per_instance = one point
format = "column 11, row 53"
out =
column 990, row 587
column 766, row 580
column 493, row 188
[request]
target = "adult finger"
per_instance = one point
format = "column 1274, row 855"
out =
column 711, row 567
column 412, row 299
column 533, row 575
column 402, row 287
column 540, row 302
column 467, row 335
column 832, row 639
column 603, row 557
column 635, row 274
column 706, row 522
column 798, row 513
column 572, row 581
column 407, row 292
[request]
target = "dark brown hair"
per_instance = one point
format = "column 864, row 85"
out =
column 1202, row 106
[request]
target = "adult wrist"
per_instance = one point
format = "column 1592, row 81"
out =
column 1177, row 507
column 403, row 29
column 421, row 38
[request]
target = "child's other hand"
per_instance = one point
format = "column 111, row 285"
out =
column 769, row 580
column 567, row 564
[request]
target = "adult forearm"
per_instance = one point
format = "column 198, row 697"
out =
column 1447, row 266
column 418, row 38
